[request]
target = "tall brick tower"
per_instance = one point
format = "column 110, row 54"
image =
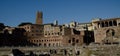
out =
column 39, row 18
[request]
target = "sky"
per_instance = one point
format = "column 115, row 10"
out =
column 14, row 12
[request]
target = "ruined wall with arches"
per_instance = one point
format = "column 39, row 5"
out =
column 107, row 31
column 104, row 34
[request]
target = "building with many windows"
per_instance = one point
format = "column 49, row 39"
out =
column 52, row 34
column 73, row 34
column 33, row 30
column 52, row 30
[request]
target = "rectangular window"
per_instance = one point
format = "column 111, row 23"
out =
column 73, row 39
column 69, row 41
column 77, row 41
column 37, row 31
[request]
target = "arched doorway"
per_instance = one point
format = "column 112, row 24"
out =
column 110, row 33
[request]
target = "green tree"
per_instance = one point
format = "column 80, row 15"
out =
column 22, row 24
column 2, row 26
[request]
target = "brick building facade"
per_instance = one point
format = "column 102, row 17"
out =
column 51, row 34
column 33, row 30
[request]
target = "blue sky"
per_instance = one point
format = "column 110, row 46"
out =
column 13, row 12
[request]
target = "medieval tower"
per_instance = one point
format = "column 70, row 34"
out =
column 39, row 17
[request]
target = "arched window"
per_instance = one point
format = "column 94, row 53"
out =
column 110, row 23
column 77, row 41
column 45, row 44
column 106, row 24
column 114, row 23
column 49, row 44
column 39, row 40
column 69, row 41
column 39, row 44
column 103, row 24
column 73, row 39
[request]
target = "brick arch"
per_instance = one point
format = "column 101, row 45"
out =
column 110, row 32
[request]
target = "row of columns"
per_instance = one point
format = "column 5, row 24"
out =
column 107, row 23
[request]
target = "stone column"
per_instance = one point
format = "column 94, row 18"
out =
column 108, row 23
column 112, row 23
column 100, row 25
